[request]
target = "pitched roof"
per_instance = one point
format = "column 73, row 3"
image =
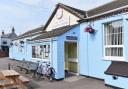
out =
column 33, row 32
column 9, row 35
column 77, row 12
column 55, row 32
column 107, row 9
column 118, row 69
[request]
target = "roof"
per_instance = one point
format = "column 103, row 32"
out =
column 112, row 8
column 77, row 12
column 55, row 32
column 33, row 32
column 9, row 35
column 107, row 9
column 118, row 68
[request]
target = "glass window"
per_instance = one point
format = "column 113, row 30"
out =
column 41, row 51
column 113, row 39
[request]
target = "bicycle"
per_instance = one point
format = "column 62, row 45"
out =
column 45, row 70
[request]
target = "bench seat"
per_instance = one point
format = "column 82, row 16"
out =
column 23, row 79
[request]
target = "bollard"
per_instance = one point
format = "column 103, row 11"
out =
column 9, row 66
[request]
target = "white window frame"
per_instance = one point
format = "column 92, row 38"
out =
column 114, row 58
column 43, row 53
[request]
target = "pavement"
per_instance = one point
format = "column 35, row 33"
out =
column 73, row 82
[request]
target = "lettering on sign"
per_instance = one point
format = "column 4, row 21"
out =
column 71, row 37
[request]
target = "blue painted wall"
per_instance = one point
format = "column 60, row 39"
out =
column 16, row 54
column 57, row 51
column 121, row 81
column 92, row 61
column 90, row 55
column 59, row 62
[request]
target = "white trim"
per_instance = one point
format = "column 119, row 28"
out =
column 114, row 58
column 113, row 46
column 39, row 59
column 77, row 59
column 72, row 60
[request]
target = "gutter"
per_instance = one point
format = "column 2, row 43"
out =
column 29, row 35
column 108, row 12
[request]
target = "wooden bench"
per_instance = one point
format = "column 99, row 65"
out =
column 28, row 66
column 1, row 86
column 9, row 78
column 1, row 77
column 23, row 80
column 5, row 83
column 23, row 65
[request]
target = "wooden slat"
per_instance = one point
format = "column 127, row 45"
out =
column 23, row 79
column 1, row 76
column 9, row 73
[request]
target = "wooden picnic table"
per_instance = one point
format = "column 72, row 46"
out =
column 14, row 78
column 10, row 73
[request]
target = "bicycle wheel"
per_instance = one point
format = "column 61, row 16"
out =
column 51, row 73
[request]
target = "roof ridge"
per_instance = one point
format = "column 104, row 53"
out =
column 70, row 6
column 108, row 9
column 73, row 9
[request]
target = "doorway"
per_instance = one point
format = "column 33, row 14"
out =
column 71, row 59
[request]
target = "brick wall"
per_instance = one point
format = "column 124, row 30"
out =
column 3, row 54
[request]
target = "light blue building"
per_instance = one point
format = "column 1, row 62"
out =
column 20, row 49
column 87, row 43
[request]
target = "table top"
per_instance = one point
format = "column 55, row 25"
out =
column 9, row 73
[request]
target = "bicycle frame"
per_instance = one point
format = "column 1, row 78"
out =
column 46, row 71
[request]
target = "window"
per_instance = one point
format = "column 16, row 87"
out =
column 4, row 42
column 20, row 47
column 41, row 51
column 36, row 51
column 46, row 51
column 33, row 52
column 113, row 39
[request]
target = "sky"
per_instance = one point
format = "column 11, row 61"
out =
column 26, row 15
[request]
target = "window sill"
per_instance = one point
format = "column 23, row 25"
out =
column 38, row 59
column 114, row 59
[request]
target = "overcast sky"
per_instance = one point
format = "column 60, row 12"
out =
column 26, row 15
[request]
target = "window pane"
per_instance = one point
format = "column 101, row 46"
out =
column 33, row 52
column 113, row 38
column 41, row 51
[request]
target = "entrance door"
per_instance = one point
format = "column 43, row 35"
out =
column 71, row 61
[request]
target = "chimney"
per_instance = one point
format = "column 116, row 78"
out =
column 3, row 32
column 13, row 30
